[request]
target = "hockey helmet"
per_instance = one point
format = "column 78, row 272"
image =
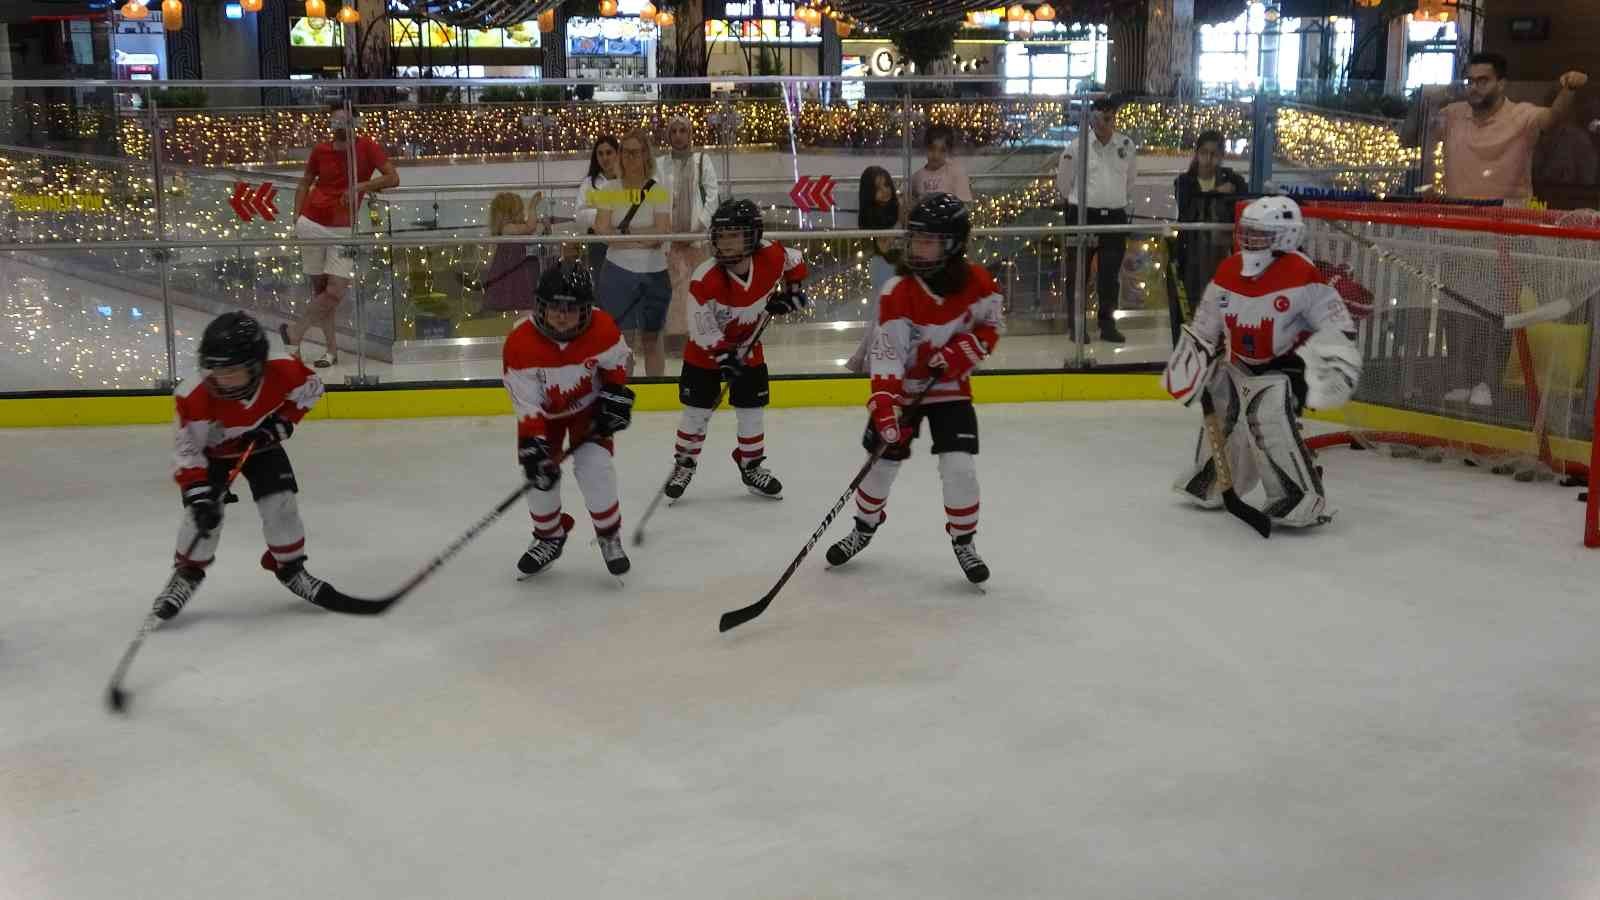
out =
column 569, row 288
column 233, row 340
column 942, row 217
column 1268, row 226
column 739, row 217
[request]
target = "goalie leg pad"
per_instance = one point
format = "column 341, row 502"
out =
column 1294, row 487
column 1199, row 481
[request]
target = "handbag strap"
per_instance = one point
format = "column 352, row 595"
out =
column 634, row 209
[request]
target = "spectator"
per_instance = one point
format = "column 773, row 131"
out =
column 1488, row 155
column 513, row 273
column 1207, row 192
column 323, row 205
column 1108, row 195
column 633, row 286
column 941, row 174
column 692, row 180
column 605, row 164
column 878, row 207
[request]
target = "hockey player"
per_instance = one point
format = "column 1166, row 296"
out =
column 937, row 320
column 745, row 280
column 1270, row 337
column 566, row 367
column 241, row 398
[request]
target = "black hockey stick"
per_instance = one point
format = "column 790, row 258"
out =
column 1251, row 516
column 377, row 606
column 116, row 697
column 735, row 618
column 661, row 492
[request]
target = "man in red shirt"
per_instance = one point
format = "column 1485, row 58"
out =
column 323, row 203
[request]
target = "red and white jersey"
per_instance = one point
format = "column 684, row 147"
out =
column 914, row 322
column 727, row 308
column 550, row 379
column 209, row 426
column 1267, row 317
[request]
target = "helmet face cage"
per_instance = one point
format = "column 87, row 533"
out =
column 233, row 340
column 562, row 302
column 747, row 244
column 949, row 248
column 239, row 392
column 1252, row 237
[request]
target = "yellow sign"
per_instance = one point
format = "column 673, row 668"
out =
column 54, row 203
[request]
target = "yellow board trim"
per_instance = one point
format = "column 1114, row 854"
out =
column 1367, row 417
column 58, row 412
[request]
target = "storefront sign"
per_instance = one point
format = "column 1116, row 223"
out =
column 608, row 37
column 59, row 203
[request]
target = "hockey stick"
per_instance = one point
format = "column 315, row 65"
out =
column 735, row 618
column 1547, row 312
column 377, row 606
column 638, row 530
column 1248, row 514
column 116, row 697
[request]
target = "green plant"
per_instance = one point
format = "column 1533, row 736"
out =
column 181, row 98
column 544, row 93
column 922, row 47
column 500, row 94
column 768, row 62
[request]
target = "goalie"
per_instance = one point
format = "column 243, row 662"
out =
column 1270, row 338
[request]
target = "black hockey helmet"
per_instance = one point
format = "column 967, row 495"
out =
column 567, row 287
column 742, row 217
column 943, row 216
column 233, row 339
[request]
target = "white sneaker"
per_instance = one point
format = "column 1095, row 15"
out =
column 1459, row 395
column 1481, row 396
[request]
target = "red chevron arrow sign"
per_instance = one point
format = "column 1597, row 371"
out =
column 258, row 202
column 813, row 194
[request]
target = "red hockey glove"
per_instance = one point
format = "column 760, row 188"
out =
column 885, row 413
column 1357, row 298
column 960, row 356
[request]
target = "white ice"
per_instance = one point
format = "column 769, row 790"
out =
column 1149, row 702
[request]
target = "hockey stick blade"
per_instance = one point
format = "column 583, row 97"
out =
column 1548, row 312
column 1251, row 516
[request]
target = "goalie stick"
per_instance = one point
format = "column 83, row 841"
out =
column 735, row 618
column 661, row 492
column 1246, row 513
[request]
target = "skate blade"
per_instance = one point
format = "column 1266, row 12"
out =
column 756, row 493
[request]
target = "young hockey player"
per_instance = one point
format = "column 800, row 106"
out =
column 1290, row 344
column 566, row 367
column 240, row 399
column 746, row 280
column 937, row 320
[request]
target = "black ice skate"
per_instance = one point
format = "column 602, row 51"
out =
column 759, row 479
column 682, row 473
column 972, row 564
column 184, row 582
column 544, row 551
column 851, row 544
column 303, row 584
column 611, row 551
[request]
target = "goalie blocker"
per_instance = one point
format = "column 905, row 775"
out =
column 1270, row 338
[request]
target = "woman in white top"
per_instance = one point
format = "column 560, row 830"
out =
column 605, row 164
column 633, row 286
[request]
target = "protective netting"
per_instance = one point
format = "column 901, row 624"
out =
column 1480, row 339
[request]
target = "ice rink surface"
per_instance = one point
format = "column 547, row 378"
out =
column 1150, row 701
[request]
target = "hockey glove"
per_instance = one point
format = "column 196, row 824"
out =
column 885, row 413
column 614, row 410
column 204, row 506
column 1189, row 369
column 729, row 364
column 1357, row 298
column 1333, row 368
column 537, row 463
column 958, row 356
column 274, row 429
column 793, row 299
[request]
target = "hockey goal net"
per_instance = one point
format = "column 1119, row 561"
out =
column 1479, row 342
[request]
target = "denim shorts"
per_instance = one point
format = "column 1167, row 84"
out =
column 637, row 300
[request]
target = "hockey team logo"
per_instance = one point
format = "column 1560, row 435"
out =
column 591, row 364
column 1281, row 303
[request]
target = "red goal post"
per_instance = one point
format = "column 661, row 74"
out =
column 1480, row 337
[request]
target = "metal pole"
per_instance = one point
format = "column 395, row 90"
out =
column 161, row 255
column 905, row 136
column 361, row 377
column 1080, row 281
column 1262, row 121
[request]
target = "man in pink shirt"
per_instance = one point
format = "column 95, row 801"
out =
column 1488, row 155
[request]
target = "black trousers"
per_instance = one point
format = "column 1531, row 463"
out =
column 1110, row 251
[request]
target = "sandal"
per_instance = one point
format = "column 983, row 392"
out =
column 326, row 362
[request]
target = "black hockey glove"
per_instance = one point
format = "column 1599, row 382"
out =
column 729, row 364
column 537, row 463
column 613, row 410
column 204, row 506
column 793, row 299
column 274, row 429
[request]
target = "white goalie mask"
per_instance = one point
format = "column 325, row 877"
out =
column 1268, row 226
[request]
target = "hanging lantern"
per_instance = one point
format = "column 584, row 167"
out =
column 608, row 8
column 647, row 13
column 665, row 19
column 1045, row 13
column 843, row 27
column 316, row 9
column 135, row 10
column 251, row 6
column 172, row 15
column 349, row 16
column 1015, row 12
column 547, row 20
column 813, row 18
